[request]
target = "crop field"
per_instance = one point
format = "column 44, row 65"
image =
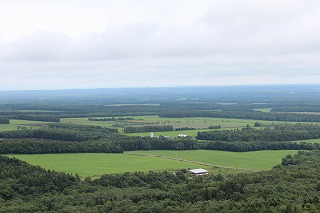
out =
column 15, row 123
column 263, row 109
column 85, row 121
column 259, row 160
column 97, row 164
column 309, row 141
column 199, row 123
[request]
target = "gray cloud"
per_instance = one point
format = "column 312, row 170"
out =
column 232, row 42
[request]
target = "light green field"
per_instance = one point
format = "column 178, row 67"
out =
column 85, row 121
column 200, row 123
column 259, row 160
column 15, row 123
column 263, row 109
column 97, row 164
column 308, row 141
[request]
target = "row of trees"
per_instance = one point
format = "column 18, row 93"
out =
column 256, row 115
column 276, row 132
column 257, row 146
column 163, row 128
column 4, row 121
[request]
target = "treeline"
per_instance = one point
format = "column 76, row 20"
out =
column 257, row 146
column 33, row 116
column 4, row 121
column 133, row 129
column 42, row 146
column 64, row 132
column 45, row 146
column 269, row 116
column 110, row 119
column 276, row 132
column 290, row 187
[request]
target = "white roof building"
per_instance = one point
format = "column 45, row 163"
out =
column 199, row 171
column 183, row 136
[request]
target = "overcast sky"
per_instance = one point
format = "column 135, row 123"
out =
column 60, row 44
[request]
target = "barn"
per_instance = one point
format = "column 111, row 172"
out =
column 199, row 172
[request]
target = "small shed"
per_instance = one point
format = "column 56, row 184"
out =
column 182, row 136
column 199, row 171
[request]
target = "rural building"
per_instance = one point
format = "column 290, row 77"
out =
column 199, row 171
column 182, row 136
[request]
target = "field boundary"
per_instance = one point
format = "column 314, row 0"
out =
column 191, row 161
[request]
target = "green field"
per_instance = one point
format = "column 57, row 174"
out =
column 308, row 141
column 15, row 123
column 259, row 160
column 200, row 123
column 263, row 109
column 96, row 164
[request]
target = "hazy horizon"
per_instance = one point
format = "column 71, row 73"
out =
column 54, row 45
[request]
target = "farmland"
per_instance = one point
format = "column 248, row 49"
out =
column 259, row 160
column 193, row 122
column 249, row 154
column 96, row 164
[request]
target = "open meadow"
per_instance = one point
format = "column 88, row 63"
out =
column 97, row 164
column 199, row 123
column 23, row 123
column 258, row 160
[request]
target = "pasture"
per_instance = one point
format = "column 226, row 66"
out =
column 24, row 123
column 258, row 160
column 199, row 123
column 97, row 164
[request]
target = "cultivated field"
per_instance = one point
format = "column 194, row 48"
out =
column 259, row 160
column 194, row 122
column 96, row 164
column 24, row 123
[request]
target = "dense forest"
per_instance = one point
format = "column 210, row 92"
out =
column 291, row 187
column 275, row 132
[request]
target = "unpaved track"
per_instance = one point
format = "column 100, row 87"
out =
column 190, row 161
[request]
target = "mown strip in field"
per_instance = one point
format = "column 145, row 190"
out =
column 97, row 164
column 259, row 160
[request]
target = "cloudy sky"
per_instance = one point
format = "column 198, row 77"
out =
column 60, row 44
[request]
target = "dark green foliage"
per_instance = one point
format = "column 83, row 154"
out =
column 4, row 121
column 268, row 116
column 257, row 146
column 163, row 128
column 276, row 132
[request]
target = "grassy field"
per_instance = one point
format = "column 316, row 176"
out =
column 263, row 109
column 259, row 160
column 96, row 164
column 200, row 123
column 309, row 141
column 15, row 123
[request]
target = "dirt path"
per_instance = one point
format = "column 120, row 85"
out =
column 191, row 161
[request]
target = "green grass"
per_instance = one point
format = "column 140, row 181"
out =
column 259, row 160
column 97, row 164
column 263, row 109
column 15, row 123
column 309, row 141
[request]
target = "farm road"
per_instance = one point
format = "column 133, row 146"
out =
column 190, row 161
